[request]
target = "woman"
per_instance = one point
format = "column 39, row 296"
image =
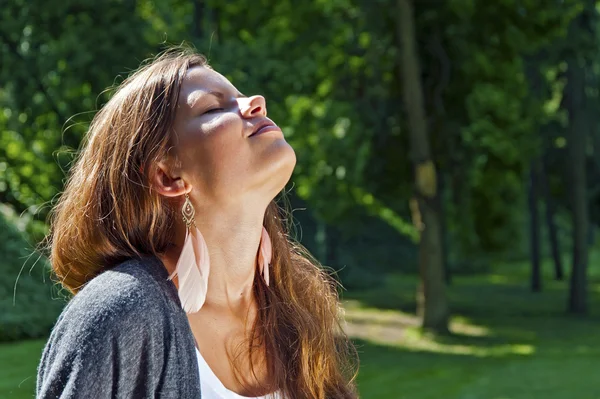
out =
column 186, row 284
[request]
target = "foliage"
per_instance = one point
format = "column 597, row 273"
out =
column 29, row 304
column 334, row 90
column 56, row 61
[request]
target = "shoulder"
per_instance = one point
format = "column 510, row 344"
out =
column 119, row 317
column 131, row 283
column 130, row 298
column 126, row 290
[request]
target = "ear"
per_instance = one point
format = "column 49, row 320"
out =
column 166, row 183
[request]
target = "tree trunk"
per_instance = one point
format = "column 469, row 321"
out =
column 431, row 299
column 441, row 197
column 331, row 246
column 540, row 179
column 199, row 19
column 552, row 230
column 534, row 228
column 536, row 87
column 576, row 104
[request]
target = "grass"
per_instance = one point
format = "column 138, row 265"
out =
column 18, row 372
column 507, row 343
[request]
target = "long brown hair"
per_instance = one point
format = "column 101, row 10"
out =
column 109, row 212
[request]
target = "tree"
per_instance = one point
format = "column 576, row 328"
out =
column 550, row 222
column 432, row 300
column 578, row 132
column 57, row 58
column 536, row 275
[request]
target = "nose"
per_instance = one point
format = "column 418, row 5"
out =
column 252, row 106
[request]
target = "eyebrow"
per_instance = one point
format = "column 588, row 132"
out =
column 216, row 94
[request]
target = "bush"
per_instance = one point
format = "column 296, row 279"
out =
column 29, row 301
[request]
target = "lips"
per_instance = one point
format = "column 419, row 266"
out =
column 264, row 126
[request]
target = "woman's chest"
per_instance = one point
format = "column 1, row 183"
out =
column 225, row 348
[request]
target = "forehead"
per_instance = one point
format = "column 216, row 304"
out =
column 200, row 81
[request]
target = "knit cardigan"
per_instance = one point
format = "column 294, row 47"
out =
column 124, row 335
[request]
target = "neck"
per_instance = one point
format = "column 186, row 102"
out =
column 232, row 239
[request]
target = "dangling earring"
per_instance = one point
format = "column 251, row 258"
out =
column 193, row 265
column 265, row 253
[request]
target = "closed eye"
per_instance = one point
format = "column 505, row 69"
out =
column 212, row 110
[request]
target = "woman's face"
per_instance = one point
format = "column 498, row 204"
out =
column 229, row 151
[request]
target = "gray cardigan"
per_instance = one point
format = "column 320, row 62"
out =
column 124, row 335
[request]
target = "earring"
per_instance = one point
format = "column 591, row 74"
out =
column 193, row 265
column 265, row 253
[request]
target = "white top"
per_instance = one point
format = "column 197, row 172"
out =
column 212, row 388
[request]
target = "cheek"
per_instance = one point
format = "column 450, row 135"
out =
column 217, row 152
column 223, row 142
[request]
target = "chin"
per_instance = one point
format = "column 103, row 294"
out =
column 288, row 162
column 278, row 168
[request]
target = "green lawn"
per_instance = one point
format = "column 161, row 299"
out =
column 19, row 362
column 507, row 343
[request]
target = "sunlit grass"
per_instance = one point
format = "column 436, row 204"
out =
column 402, row 330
